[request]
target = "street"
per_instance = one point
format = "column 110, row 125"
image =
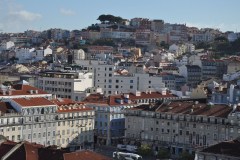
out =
column 108, row 151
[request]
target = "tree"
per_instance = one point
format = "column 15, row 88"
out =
column 104, row 42
column 202, row 45
column 186, row 156
column 163, row 153
column 164, row 45
column 109, row 19
column 221, row 39
column 145, row 150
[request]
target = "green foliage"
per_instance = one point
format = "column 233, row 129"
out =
column 221, row 39
column 145, row 150
column 202, row 45
column 109, row 19
column 104, row 42
column 164, row 45
column 163, row 153
column 94, row 28
column 186, row 156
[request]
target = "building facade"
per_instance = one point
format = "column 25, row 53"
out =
column 181, row 126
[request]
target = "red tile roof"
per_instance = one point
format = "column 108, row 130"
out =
column 196, row 109
column 85, row 155
column 38, row 101
column 63, row 101
column 111, row 100
column 68, row 105
column 145, row 95
column 22, row 89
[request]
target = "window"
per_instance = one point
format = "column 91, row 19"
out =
column 194, row 125
column 215, row 136
column 131, row 81
column 131, row 87
column 180, row 132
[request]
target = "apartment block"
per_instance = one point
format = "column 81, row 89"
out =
column 181, row 126
column 30, row 114
column 64, row 84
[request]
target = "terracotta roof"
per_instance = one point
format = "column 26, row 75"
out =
column 196, row 109
column 68, row 105
column 230, row 148
column 96, row 98
column 145, row 95
column 112, row 100
column 85, row 155
column 63, row 101
column 21, row 89
column 38, row 101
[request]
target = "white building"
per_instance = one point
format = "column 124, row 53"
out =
column 6, row 45
column 30, row 114
column 47, row 51
column 79, row 55
column 112, row 82
column 65, row 84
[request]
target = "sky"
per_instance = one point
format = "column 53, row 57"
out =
column 22, row 15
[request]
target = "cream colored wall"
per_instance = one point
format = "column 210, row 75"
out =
column 198, row 93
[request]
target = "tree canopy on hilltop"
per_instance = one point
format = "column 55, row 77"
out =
column 109, row 19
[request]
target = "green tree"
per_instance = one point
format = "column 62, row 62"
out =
column 109, row 19
column 221, row 39
column 202, row 45
column 186, row 156
column 164, row 45
column 163, row 153
column 145, row 150
column 104, row 42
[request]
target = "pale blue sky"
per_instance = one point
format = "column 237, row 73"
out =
column 20, row 15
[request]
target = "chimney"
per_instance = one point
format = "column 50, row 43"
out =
column 137, row 93
column 126, row 95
